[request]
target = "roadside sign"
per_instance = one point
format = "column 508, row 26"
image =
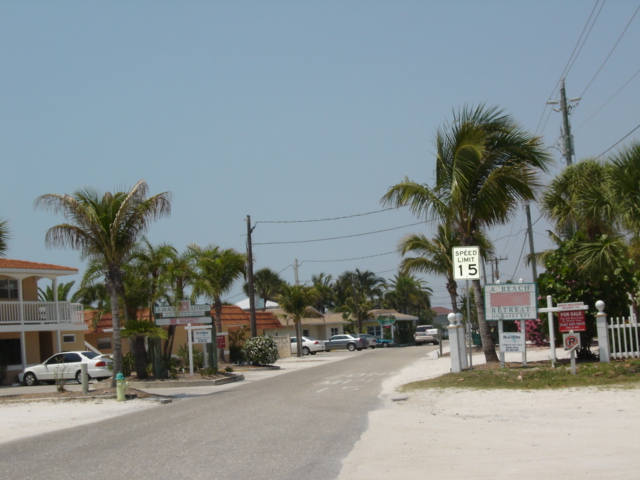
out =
column 183, row 309
column 386, row 321
column 572, row 321
column 563, row 307
column 512, row 342
column 510, row 301
column 466, row 263
column 163, row 322
column 571, row 341
column 202, row 336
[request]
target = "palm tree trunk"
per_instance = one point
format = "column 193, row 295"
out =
column 219, row 329
column 299, row 337
column 452, row 288
column 117, row 339
column 140, row 355
column 488, row 346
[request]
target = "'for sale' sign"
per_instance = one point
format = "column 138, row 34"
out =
column 572, row 321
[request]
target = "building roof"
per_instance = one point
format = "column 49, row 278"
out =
column 441, row 310
column 234, row 316
column 27, row 267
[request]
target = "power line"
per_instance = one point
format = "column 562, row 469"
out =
column 349, row 259
column 610, row 98
column 338, row 238
column 612, row 50
column 637, row 127
column 328, row 219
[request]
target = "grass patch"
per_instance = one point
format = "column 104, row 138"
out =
column 537, row 376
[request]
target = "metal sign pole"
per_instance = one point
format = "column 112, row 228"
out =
column 469, row 327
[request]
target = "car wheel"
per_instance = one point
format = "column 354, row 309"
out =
column 385, row 345
column 305, row 350
column 30, row 379
column 351, row 347
column 79, row 376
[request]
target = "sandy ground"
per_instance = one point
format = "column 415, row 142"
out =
column 453, row 434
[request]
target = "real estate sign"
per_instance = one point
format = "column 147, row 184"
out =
column 512, row 342
column 572, row 321
column 183, row 314
column 510, row 301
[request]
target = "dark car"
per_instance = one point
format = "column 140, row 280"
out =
column 370, row 339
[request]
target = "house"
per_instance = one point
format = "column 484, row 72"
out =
column 31, row 330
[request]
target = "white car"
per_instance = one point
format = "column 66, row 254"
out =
column 309, row 345
column 67, row 366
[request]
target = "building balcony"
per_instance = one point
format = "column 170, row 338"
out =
column 41, row 316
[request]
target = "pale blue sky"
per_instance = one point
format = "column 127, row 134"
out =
column 288, row 110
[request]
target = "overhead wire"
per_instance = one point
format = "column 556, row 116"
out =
column 611, row 52
column 328, row 219
column 623, row 138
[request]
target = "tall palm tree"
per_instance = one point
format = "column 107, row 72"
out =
column 408, row 294
column 295, row 300
column 106, row 229
column 217, row 270
column 323, row 284
column 434, row 256
column 4, row 237
column 266, row 285
column 486, row 166
column 624, row 185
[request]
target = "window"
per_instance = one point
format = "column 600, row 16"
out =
column 305, row 333
column 375, row 330
column 72, row 358
column 69, row 338
column 10, row 352
column 334, row 331
column 104, row 343
column 8, row 288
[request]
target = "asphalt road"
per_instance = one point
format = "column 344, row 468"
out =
column 298, row 425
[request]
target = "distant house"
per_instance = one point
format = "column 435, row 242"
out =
column 31, row 330
column 441, row 316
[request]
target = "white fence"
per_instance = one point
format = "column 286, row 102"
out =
column 623, row 338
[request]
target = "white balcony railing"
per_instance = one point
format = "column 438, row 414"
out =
column 41, row 313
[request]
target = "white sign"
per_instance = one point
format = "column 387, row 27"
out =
column 571, row 341
column 184, row 309
column 510, row 301
column 466, row 263
column 512, row 342
column 202, row 336
column 182, row 321
column 570, row 307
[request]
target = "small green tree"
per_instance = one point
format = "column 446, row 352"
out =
column 138, row 331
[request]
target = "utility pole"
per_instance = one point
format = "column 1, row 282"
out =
column 565, row 109
column 497, row 272
column 252, row 299
column 534, row 270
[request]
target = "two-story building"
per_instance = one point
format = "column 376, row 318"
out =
column 31, row 330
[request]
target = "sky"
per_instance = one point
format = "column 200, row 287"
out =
column 292, row 111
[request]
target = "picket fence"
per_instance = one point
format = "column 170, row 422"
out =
column 623, row 338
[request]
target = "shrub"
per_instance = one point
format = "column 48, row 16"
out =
column 261, row 350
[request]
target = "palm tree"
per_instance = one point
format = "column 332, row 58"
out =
column 357, row 293
column 266, row 285
column 624, row 185
column 486, row 166
column 408, row 294
column 4, row 237
column 295, row 300
column 138, row 331
column 326, row 299
column 106, row 229
column 46, row 295
column 217, row 271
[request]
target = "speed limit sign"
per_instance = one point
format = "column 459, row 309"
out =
column 466, row 263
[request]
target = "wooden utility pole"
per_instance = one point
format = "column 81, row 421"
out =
column 252, row 299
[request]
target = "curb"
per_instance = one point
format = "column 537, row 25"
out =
column 178, row 384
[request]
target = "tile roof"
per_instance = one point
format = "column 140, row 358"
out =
column 24, row 265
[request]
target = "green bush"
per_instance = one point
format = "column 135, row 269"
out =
column 261, row 350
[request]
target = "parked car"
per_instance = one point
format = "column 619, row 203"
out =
column 350, row 342
column 309, row 345
column 371, row 340
column 385, row 342
column 66, row 366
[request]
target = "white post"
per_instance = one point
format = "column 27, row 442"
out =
column 462, row 344
column 190, row 349
column 454, row 344
column 523, row 330
column 552, row 333
column 500, row 332
column 603, row 333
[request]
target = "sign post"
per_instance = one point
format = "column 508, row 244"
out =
column 466, row 266
column 562, row 307
column 571, row 342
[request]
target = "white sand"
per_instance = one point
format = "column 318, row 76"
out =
column 25, row 419
column 454, row 434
